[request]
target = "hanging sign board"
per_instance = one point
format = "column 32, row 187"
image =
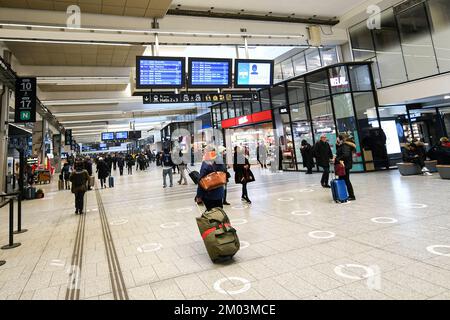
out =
column 25, row 108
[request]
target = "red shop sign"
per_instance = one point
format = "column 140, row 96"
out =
column 249, row 119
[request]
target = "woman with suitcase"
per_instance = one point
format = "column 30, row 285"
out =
column 344, row 157
column 103, row 171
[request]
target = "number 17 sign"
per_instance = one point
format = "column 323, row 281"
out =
column 25, row 108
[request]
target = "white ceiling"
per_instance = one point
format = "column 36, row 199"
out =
column 301, row 8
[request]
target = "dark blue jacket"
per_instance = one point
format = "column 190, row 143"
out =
column 216, row 194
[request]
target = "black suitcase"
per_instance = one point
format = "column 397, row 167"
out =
column 194, row 175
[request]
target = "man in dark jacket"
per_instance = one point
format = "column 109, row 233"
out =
column 120, row 163
column 344, row 155
column 167, row 165
column 88, row 167
column 79, row 179
column 103, row 171
column 323, row 154
column 307, row 156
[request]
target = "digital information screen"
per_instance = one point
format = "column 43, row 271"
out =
column 160, row 72
column 257, row 73
column 207, row 73
column 107, row 136
column 122, row 135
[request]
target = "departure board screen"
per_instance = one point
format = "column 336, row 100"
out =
column 107, row 136
column 253, row 73
column 160, row 72
column 210, row 73
column 122, row 135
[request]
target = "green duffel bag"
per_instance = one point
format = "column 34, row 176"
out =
column 220, row 237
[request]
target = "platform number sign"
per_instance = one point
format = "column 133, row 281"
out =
column 25, row 108
column 68, row 137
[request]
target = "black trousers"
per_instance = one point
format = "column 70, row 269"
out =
column 225, row 193
column 325, row 175
column 130, row 170
column 244, row 190
column 121, row 171
column 103, row 182
column 348, row 183
column 79, row 201
column 211, row 204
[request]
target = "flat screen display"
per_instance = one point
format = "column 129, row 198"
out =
column 253, row 73
column 210, row 73
column 135, row 134
column 122, row 135
column 103, row 146
column 107, row 136
column 160, row 72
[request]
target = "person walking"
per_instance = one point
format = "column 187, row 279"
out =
column 167, row 164
column 88, row 167
column 103, row 171
column 79, row 179
column 120, row 163
column 222, row 159
column 109, row 162
column 212, row 198
column 323, row 154
column 114, row 161
column 183, row 168
column 261, row 155
column 242, row 173
column 65, row 171
column 344, row 155
column 307, row 156
column 130, row 164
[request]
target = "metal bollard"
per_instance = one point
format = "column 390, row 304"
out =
column 11, row 244
column 19, row 216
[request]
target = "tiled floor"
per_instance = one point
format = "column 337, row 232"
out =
column 162, row 256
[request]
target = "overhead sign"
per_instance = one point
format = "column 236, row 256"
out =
column 68, row 137
column 339, row 81
column 159, row 98
column 25, row 108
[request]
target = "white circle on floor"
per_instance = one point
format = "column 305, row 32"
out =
column 301, row 213
column 118, row 222
column 339, row 270
column 285, row 199
column 305, row 190
column 383, row 220
column 57, row 263
column 322, row 234
column 169, row 225
column 245, row 282
column 415, row 205
column 244, row 244
column 150, row 247
column 236, row 222
column 432, row 249
column 184, row 210
column 240, row 207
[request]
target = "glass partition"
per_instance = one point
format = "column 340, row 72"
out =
column 323, row 120
column 278, row 94
column 264, row 97
column 296, row 91
column 439, row 11
column 318, row 84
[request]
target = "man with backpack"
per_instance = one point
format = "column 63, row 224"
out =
column 167, row 164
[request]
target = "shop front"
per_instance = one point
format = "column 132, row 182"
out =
column 337, row 99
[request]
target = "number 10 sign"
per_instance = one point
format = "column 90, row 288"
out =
column 25, row 109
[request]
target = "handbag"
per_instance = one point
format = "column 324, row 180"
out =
column 339, row 169
column 212, row 181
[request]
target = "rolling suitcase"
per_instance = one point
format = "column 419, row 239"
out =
column 91, row 181
column 194, row 175
column 60, row 185
column 220, row 238
column 339, row 190
column 30, row 193
column 111, row 182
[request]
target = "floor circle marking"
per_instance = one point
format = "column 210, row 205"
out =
column 339, row 270
column 315, row 234
column 305, row 190
column 150, row 247
column 432, row 249
column 416, row 205
column 118, row 222
column 237, row 222
column 285, row 199
column 169, row 225
column 218, row 285
column 383, row 220
column 301, row 213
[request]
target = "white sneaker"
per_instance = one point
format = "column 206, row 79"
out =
column 425, row 169
column 427, row 173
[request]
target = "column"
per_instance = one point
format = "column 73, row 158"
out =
column 4, row 103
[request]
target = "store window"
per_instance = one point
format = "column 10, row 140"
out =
column 318, row 85
column 389, row 52
column 360, row 78
column 313, row 59
column 439, row 11
column 329, row 56
column 296, row 91
column 323, row 121
column 287, row 69
column 256, row 107
column 278, row 94
column 247, row 107
column 239, row 111
column 416, row 42
column 339, row 80
column 301, row 129
column 265, row 99
column 224, row 109
column 299, row 62
column 231, row 111
column 277, row 73
column 362, row 44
